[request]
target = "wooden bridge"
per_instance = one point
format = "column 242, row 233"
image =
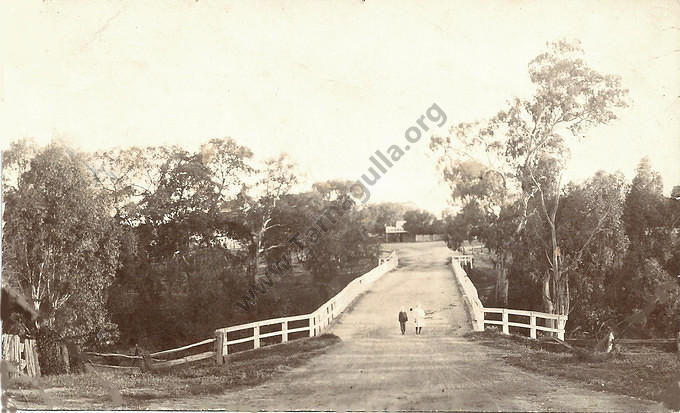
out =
column 374, row 367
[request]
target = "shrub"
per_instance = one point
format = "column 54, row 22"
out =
column 50, row 347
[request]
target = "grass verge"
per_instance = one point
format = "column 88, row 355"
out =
column 650, row 374
column 112, row 390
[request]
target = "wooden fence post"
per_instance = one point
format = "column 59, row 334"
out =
column 25, row 362
column 256, row 336
column 29, row 355
column 561, row 323
column 16, row 357
column 21, row 360
column 34, row 344
column 147, row 362
column 532, row 322
column 506, row 328
column 219, row 345
column 5, row 346
column 284, row 331
column 312, row 327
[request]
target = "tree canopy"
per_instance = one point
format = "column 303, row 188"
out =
column 135, row 244
column 60, row 243
column 570, row 243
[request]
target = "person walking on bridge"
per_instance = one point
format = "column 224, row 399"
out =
column 419, row 319
column 403, row 318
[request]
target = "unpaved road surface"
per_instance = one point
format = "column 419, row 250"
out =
column 376, row 368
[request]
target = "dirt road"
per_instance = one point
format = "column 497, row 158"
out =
column 376, row 368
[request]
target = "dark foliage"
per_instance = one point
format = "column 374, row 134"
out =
column 50, row 358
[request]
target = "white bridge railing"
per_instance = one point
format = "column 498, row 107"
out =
column 316, row 323
column 478, row 312
column 561, row 321
column 464, row 259
column 475, row 307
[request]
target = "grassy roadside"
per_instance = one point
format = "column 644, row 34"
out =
column 649, row 374
column 110, row 390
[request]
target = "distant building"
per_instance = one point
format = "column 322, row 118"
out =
column 397, row 233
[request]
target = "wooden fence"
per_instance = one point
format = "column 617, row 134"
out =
column 310, row 324
column 478, row 312
column 533, row 316
column 430, row 237
column 22, row 355
column 157, row 360
column 464, row 259
column 241, row 334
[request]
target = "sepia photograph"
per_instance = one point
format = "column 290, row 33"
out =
column 340, row 205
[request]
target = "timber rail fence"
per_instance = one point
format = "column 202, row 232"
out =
column 464, row 259
column 478, row 312
column 21, row 354
column 258, row 333
column 157, row 360
column 532, row 326
column 552, row 323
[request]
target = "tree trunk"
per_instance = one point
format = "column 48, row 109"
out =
column 562, row 295
column 501, row 283
column 547, row 300
column 63, row 353
column 548, row 306
column 560, row 283
column 260, row 262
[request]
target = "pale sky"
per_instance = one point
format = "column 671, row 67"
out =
column 327, row 82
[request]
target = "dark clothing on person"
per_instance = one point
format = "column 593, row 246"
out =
column 403, row 318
